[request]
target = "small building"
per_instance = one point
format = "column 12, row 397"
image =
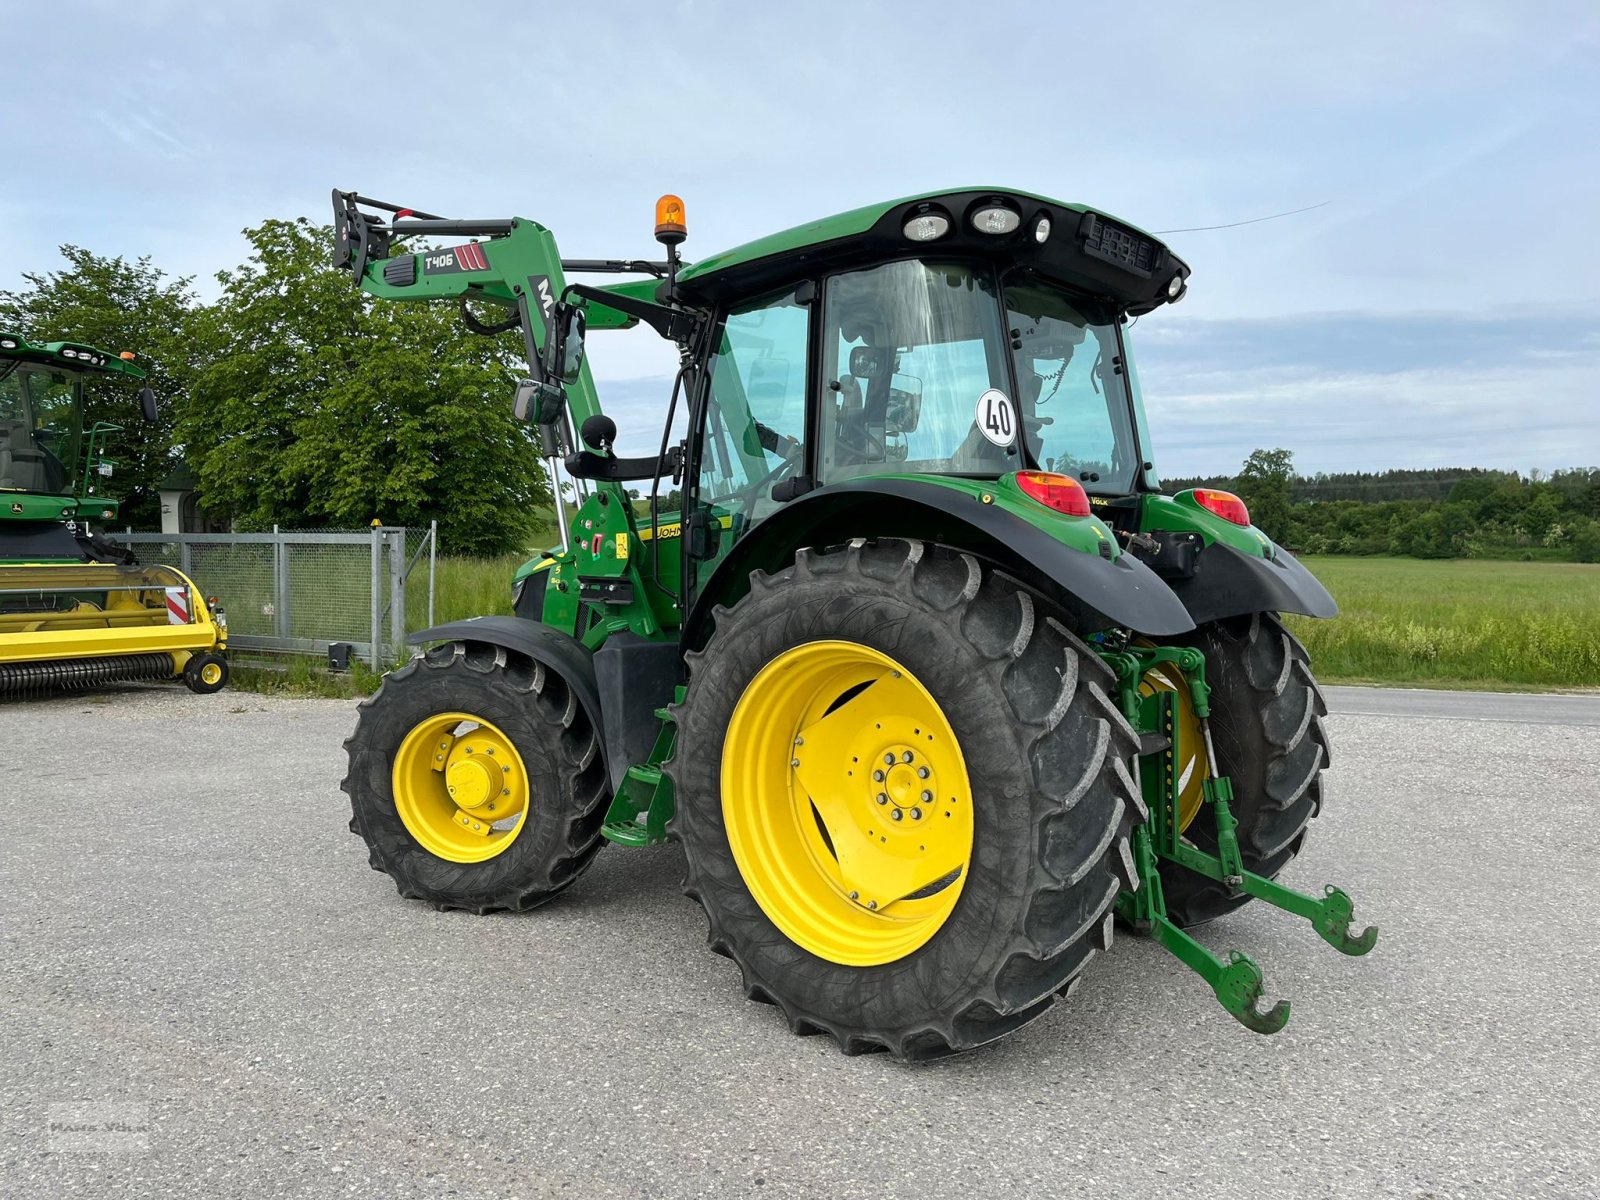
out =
column 180, row 505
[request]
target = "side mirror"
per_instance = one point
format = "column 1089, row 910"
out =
column 572, row 326
column 905, row 404
column 147, row 404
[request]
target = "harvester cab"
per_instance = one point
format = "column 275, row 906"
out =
column 75, row 609
column 915, row 658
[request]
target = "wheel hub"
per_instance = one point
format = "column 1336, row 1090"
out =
column 468, row 782
column 460, row 787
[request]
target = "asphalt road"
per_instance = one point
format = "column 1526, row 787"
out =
column 193, row 949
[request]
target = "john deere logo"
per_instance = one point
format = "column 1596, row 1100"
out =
column 16, row 508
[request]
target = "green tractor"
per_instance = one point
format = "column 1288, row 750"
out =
column 77, row 611
column 929, row 679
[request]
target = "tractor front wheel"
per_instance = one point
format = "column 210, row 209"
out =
column 904, row 798
column 476, row 780
column 1266, row 728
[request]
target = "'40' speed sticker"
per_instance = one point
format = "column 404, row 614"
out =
column 996, row 419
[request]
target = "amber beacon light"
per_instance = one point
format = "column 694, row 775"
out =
column 670, row 226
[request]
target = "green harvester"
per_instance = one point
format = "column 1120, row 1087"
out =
column 906, row 648
column 77, row 611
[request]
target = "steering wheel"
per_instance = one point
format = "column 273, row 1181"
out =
column 751, row 494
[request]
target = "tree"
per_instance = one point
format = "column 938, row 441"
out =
column 1264, row 482
column 323, row 407
column 115, row 305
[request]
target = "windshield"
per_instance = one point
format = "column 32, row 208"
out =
column 1075, row 413
column 912, row 362
column 38, row 429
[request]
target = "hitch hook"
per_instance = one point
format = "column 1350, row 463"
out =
column 1238, row 988
column 1333, row 924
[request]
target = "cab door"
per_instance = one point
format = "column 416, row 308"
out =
column 751, row 433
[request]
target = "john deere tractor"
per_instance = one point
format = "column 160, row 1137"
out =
column 926, row 674
column 75, row 609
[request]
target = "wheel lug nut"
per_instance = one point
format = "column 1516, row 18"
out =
column 882, row 798
column 897, row 815
column 906, row 757
column 888, row 760
column 855, row 895
column 927, row 797
column 872, row 904
column 877, row 777
column 794, row 762
column 916, row 814
column 923, row 772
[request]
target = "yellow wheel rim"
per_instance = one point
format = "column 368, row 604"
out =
column 1193, row 764
column 847, row 804
column 460, row 787
column 211, row 674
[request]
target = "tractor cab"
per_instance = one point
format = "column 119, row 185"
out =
column 45, row 451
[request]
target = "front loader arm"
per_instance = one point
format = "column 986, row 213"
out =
column 517, row 265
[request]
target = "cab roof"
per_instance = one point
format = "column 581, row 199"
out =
column 1076, row 244
column 72, row 356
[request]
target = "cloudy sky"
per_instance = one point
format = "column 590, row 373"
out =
column 1441, row 307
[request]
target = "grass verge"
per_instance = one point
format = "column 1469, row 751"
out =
column 1457, row 624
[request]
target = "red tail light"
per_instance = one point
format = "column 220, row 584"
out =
column 1225, row 504
column 1060, row 492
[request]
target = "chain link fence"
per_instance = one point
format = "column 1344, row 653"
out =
column 302, row 590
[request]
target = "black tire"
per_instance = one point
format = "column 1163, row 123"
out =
column 206, row 674
column 560, row 750
column 1267, row 730
column 1048, row 757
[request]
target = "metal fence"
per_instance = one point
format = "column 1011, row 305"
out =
column 300, row 590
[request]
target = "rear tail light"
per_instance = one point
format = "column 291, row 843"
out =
column 1225, row 504
column 1062, row 493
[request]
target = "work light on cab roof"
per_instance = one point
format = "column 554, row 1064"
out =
column 901, row 637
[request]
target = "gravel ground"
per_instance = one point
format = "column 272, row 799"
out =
column 193, row 949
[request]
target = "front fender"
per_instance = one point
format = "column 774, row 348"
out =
column 556, row 651
column 1098, row 592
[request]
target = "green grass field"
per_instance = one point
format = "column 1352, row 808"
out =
column 1457, row 623
column 1450, row 624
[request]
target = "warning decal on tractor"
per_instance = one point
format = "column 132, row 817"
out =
column 177, row 606
column 996, row 419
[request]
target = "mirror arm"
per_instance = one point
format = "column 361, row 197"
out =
column 605, row 469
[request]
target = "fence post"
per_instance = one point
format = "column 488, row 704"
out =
column 377, row 602
column 280, row 584
column 397, row 589
column 183, row 557
column 433, row 556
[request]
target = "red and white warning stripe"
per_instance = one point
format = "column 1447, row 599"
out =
column 177, row 606
column 470, row 257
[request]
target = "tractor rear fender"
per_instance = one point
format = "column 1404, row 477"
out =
column 554, row 650
column 1230, row 583
column 1098, row 592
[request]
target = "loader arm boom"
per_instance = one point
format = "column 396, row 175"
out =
column 516, row 265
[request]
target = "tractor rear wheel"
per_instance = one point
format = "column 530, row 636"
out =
column 1266, row 727
column 476, row 780
column 904, row 798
